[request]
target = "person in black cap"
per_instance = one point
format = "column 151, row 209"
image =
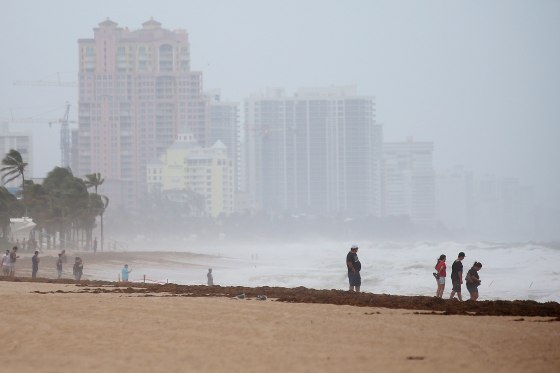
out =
column 457, row 276
column 354, row 267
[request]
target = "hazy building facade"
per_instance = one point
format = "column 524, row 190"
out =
column 455, row 199
column 224, row 126
column 136, row 93
column 202, row 174
column 503, row 208
column 409, row 181
column 23, row 143
column 317, row 152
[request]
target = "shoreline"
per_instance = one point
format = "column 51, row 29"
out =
column 432, row 305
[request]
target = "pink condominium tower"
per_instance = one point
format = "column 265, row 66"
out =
column 136, row 93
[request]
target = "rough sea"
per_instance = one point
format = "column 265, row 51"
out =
column 526, row 271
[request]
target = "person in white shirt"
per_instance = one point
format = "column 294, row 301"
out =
column 6, row 263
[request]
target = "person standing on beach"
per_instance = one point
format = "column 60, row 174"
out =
column 78, row 268
column 457, row 276
column 35, row 264
column 63, row 256
column 95, row 245
column 354, row 267
column 210, row 281
column 13, row 258
column 59, row 266
column 6, row 264
column 125, row 271
column 473, row 280
column 441, row 274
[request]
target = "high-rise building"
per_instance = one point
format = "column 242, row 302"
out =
column 202, row 174
column 317, row 152
column 23, row 143
column 409, row 181
column 224, row 126
column 455, row 199
column 136, row 94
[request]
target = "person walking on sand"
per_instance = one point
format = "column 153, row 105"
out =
column 35, row 264
column 95, row 245
column 78, row 268
column 210, row 281
column 457, row 276
column 440, row 275
column 59, row 266
column 354, row 267
column 473, row 280
column 125, row 271
column 6, row 264
column 13, row 258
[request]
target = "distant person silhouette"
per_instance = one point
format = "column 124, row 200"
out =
column 210, row 281
column 6, row 264
column 78, row 268
column 59, row 266
column 457, row 276
column 354, row 267
column 125, row 271
column 35, row 264
column 473, row 280
column 441, row 273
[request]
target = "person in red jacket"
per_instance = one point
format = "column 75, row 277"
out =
column 440, row 275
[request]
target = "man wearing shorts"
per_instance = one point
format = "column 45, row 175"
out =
column 354, row 267
column 457, row 276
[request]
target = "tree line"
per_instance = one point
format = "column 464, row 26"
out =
column 62, row 207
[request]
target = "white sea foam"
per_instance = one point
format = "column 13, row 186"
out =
column 520, row 271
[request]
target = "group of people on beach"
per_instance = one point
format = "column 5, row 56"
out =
column 10, row 258
column 472, row 278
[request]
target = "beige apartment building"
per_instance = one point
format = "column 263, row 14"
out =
column 202, row 176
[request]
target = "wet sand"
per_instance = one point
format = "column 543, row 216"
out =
column 106, row 327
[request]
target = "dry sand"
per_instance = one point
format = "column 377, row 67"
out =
column 55, row 328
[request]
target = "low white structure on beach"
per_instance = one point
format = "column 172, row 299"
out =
column 20, row 228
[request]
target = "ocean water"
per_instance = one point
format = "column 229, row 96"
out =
column 510, row 271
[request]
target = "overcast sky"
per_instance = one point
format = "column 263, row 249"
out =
column 479, row 78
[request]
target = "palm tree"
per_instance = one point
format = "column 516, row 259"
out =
column 13, row 167
column 9, row 206
column 95, row 180
column 105, row 201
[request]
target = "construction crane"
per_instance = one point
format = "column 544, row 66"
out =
column 65, row 142
column 64, row 122
column 65, row 138
column 47, row 83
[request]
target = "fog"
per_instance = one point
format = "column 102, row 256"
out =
column 479, row 79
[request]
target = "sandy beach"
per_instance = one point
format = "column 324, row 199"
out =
column 99, row 327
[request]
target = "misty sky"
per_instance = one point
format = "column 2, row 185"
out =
column 479, row 78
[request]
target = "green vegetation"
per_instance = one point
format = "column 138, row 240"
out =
column 61, row 206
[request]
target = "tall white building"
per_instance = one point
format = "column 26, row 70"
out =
column 317, row 152
column 23, row 143
column 409, row 181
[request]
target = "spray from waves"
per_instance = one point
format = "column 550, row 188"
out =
column 511, row 271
